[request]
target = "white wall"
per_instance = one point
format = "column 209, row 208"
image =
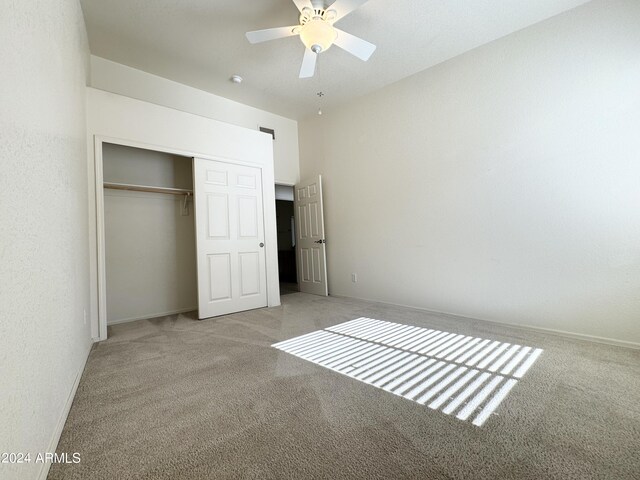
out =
column 503, row 184
column 150, row 246
column 117, row 78
column 44, row 275
column 123, row 120
column 284, row 192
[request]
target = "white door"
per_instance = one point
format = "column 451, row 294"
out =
column 310, row 247
column 229, row 237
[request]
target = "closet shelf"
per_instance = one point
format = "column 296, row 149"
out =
column 145, row 188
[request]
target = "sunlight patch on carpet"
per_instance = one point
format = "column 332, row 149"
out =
column 459, row 375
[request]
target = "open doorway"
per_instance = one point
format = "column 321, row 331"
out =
column 285, row 225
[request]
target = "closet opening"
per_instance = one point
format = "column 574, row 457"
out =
column 286, row 229
column 149, row 231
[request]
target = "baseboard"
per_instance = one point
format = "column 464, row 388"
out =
column 57, row 433
column 152, row 315
column 551, row 331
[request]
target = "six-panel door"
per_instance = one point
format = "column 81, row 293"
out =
column 229, row 238
column 310, row 247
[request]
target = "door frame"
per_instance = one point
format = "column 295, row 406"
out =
column 268, row 195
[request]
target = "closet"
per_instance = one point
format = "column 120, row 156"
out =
column 220, row 256
column 150, row 245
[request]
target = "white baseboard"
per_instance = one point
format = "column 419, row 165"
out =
column 151, row 315
column 560, row 333
column 57, row 433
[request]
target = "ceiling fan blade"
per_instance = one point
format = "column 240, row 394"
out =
column 308, row 64
column 345, row 7
column 259, row 36
column 303, row 4
column 354, row 45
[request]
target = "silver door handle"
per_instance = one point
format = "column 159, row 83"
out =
column 261, row 244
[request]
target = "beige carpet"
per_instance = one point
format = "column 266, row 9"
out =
column 177, row 398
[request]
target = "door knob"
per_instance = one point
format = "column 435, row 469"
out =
column 261, row 244
column 320, row 241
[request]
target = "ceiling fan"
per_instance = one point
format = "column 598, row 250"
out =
column 317, row 32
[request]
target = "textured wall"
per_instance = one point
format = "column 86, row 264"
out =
column 44, row 339
column 502, row 184
column 114, row 77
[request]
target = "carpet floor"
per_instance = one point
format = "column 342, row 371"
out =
column 178, row 398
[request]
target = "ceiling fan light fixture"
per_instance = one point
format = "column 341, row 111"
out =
column 318, row 35
column 317, row 32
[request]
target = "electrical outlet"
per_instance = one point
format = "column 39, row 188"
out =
column 85, row 316
column 354, row 277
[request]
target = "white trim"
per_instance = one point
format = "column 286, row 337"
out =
column 101, row 251
column 152, row 315
column 558, row 333
column 57, row 433
column 170, row 150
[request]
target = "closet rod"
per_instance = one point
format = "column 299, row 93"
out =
column 144, row 188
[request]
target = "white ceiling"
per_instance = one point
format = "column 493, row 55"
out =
column 201, row 43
